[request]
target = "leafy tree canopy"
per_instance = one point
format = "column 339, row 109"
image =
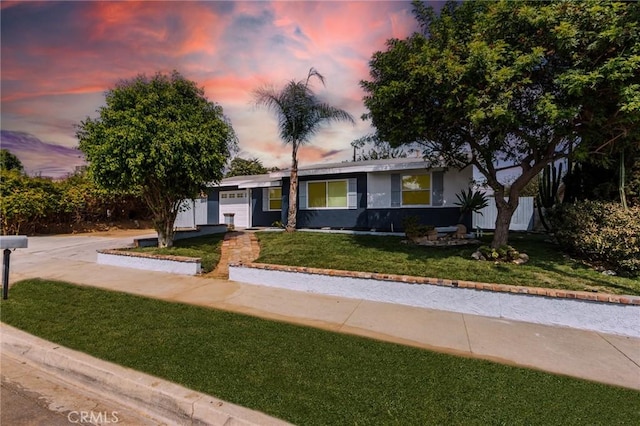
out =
column 241, row 167
column 8, row 161
column 158, row 136
column 370, row 147
column 510, row 82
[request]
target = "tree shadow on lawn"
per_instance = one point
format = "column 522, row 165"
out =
column 545, row 258
column 592, row 280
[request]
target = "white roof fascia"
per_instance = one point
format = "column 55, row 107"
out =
column 252, row 181
column 396, row 164
column 266, row 184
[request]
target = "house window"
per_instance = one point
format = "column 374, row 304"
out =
column 275, row 198
column 327, row 194
column 416, row 190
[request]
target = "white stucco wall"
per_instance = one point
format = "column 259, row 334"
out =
column 598, row 316
column 379, row 187
column 150, row 264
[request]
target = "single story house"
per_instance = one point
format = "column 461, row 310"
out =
column 364, row 195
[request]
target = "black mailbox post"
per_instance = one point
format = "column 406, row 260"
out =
column 8, row 242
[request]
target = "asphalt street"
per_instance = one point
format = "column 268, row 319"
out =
column 33, row 397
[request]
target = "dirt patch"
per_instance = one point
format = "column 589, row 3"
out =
column 124, row 228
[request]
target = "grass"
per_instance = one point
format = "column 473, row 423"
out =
column 547, row 266
column 304, row 375
column 207, row 248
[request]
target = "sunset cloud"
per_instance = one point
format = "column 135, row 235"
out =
column 58, row 59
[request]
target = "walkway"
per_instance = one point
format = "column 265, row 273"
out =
column 237, row 247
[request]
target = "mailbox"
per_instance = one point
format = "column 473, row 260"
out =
column 13, row 241
column 8, row 242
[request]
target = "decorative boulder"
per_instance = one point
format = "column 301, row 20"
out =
column 461, row 232
column 478, row 256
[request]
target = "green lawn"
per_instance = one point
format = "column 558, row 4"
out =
column 547, row 267
column 207, row 248
column 304, row 375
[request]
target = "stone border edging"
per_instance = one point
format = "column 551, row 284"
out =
column 583, row 310
column 410, row 279
column 161, row 399
column 150, row 262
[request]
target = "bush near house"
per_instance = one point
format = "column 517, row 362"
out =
column 31, row 205
column 602, row 232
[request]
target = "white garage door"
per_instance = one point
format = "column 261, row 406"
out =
column 236, row 202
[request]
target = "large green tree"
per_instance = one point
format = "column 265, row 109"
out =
column 507, row 83
column 603, row 41
column 160, row 137
column 300, row 114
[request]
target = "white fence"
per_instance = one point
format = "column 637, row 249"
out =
column 194, row 213
column 522, row 219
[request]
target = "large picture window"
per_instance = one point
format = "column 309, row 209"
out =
column 275, row 198
column 327, row 194
column 416, row 190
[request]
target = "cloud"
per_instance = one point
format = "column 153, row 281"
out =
column 41, row 158
column 60, row 57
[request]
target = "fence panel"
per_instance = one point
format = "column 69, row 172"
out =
column 186, row 218
column 522, row 219
column 201, row 211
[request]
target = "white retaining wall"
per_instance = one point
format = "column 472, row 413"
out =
column 183, row 267
column 604, row 317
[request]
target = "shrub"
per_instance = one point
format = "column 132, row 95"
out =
column 414, row 229
column 601, row 232
column 503, row 253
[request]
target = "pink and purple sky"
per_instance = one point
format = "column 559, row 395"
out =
column 58, row 59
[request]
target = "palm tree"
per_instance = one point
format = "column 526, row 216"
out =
column 300, row 114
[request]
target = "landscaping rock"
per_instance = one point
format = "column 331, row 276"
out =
column 478, row 256
column 461, row 232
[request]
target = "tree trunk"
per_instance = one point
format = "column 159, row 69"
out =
column 503, row 220
column 163, row 224
column 293, row 191
column 165, row 234
column 621, row 189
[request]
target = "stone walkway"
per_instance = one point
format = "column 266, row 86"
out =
column 237, row 247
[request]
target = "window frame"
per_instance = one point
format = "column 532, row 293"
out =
column 269, row 199
column 326, row 194
column 429, row 190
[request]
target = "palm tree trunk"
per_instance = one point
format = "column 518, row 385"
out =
column 293, row 190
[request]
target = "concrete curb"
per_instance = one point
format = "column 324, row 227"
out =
column 159, row 399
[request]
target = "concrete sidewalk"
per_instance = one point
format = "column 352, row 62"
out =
column 594, row 356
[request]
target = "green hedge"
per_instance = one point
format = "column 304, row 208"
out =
column 40, row 205
column 601, row 232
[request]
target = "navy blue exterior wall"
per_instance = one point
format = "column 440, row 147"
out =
column 338, row 218
column 258, row 216
column 382, row 219
column 385, row 219
column 213, row 206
